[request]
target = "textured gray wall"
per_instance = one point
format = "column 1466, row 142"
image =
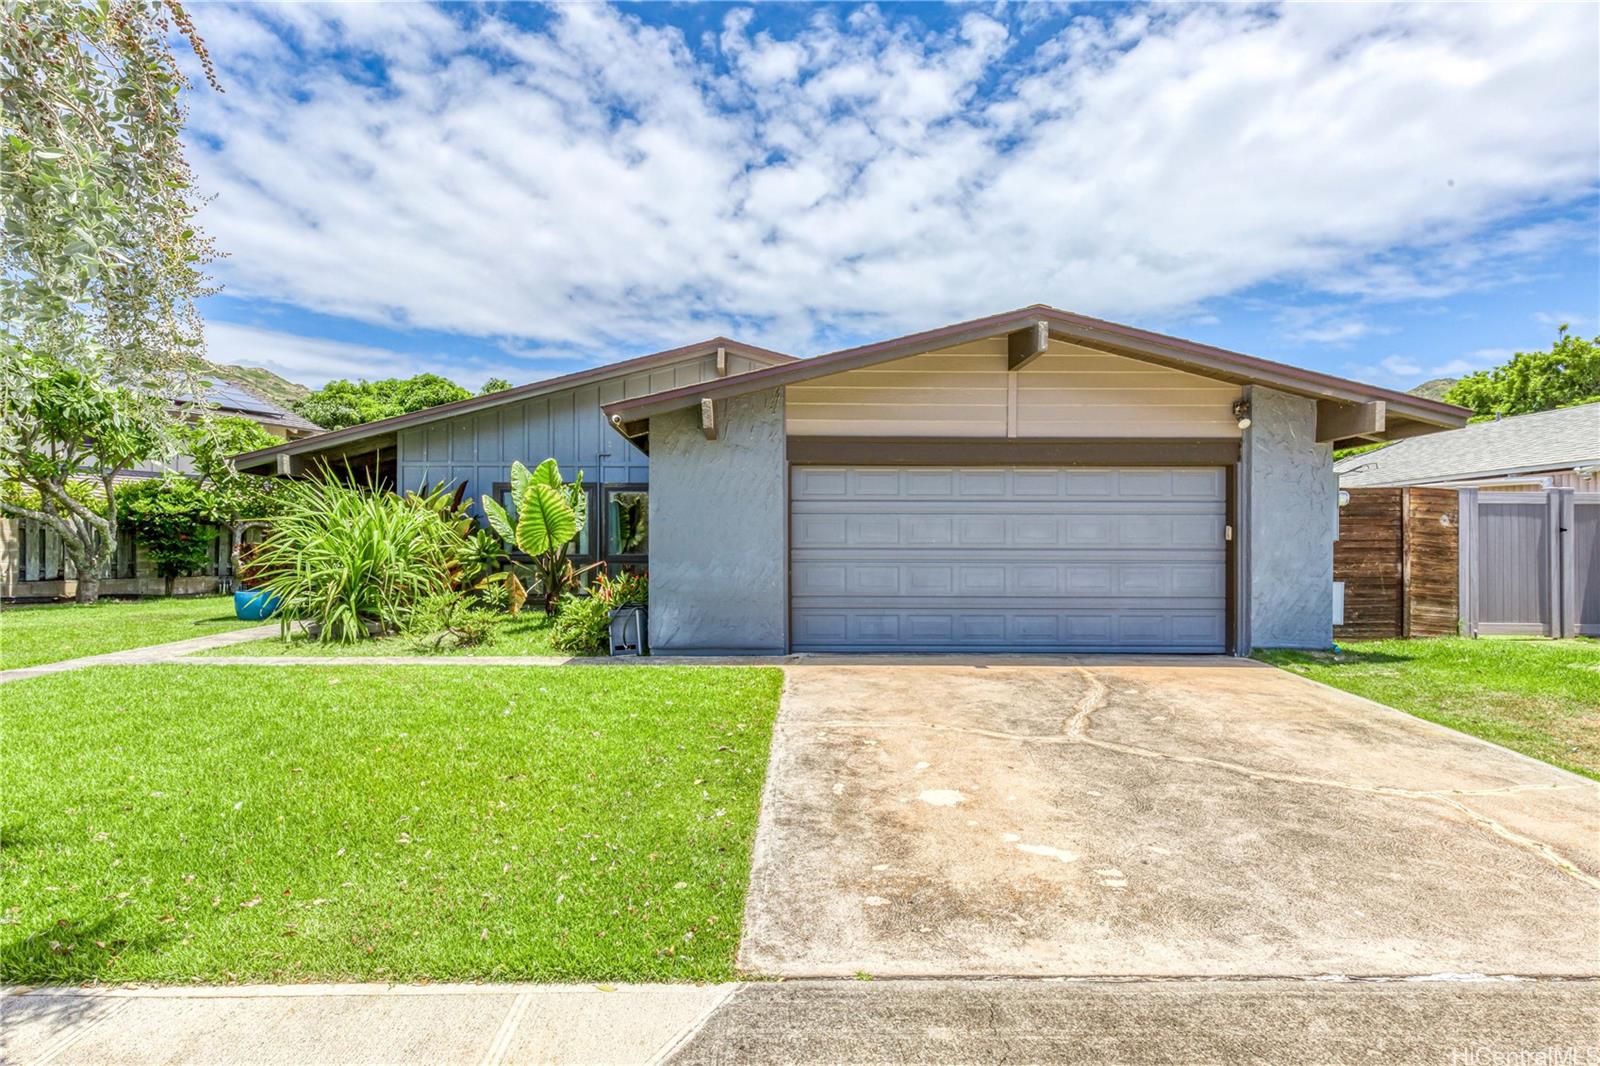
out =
column 1291, row 504
column 717, row 545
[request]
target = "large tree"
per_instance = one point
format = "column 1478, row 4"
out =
column 350, row 403
column 1569, row 373
column 100, row 258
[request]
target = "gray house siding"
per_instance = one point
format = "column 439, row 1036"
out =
column 1290, row 507
column 569, row 426
column 718, row 555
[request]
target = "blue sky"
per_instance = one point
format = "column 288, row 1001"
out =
column 1385, row 192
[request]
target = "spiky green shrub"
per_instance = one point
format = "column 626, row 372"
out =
column 351, row 560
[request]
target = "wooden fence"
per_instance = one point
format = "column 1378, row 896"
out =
column 1397, row 556
column 1431, row 562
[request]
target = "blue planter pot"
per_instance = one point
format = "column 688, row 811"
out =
column 252, row 605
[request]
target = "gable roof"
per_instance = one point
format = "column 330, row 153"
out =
column 1548, row 440
column 1407, row 412
column 353, row 434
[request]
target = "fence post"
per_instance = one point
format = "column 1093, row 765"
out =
column 1405, row 563
column 1466, row 561
column 1564, row 518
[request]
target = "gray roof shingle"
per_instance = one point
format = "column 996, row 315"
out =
column 1547, row 440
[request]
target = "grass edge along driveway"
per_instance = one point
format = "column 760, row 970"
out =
column 48, row 633
column 1537, row 697
column 435, row 822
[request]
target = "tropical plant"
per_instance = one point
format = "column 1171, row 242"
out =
column 355, row 560
column 550, row 512
column 174, row 519
column 583, row 623
column 100, row 256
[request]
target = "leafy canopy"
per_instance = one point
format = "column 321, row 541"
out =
column 342, row 403
column 1568, row 374
column 100, row 258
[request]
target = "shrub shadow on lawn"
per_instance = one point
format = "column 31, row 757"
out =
column 73, row 950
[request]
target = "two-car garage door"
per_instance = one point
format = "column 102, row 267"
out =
column 1014, row 558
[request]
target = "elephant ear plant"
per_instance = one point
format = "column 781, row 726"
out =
column 357, row 561
column 550, row 512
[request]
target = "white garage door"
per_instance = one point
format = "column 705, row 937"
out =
column 998, row 559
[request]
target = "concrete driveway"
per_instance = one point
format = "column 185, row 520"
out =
column 1154, row 817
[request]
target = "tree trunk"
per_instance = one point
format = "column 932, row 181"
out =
column 88, row 586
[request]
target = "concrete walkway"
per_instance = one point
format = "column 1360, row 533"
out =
column 155, row 653
column 961, row 1021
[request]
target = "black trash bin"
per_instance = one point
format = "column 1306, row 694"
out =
column 628, row 630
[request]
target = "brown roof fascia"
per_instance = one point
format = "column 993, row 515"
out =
column 1096, row 333
column 520, row 392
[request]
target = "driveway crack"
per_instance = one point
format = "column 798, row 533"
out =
column 1076, row 731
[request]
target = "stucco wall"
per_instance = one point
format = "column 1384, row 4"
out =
column 717, row 555
column 1290, row 500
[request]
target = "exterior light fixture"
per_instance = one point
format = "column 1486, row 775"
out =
column 1241, row 411
column 1344, row 497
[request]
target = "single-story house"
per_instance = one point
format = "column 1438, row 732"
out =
column 1030, row 481
column 1549, row 449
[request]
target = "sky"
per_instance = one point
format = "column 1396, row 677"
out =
column 1389, row 193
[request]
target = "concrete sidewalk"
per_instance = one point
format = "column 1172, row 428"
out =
column 814, row 1021
column 154, row 653
column 299, row 1024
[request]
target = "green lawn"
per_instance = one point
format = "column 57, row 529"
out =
column 1539, row 697
column 238, row 823
column 526, row 634
column 52, row 632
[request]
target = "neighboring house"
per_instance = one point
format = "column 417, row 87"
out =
column 34, row 567
column 1550, row 449
column 1034, row 480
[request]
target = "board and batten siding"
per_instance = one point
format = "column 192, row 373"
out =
column 569, row 426
column 966, row 391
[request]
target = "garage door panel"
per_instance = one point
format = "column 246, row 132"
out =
column 956, row 578
column 990, row 558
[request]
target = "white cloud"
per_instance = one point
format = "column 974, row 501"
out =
column 1557, row 319
column 1400, row 371
column 602, row 184
column 314, row 361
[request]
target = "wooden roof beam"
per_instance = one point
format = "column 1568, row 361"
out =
column 1026, row 345
column 1342, row 421
column 708, row 418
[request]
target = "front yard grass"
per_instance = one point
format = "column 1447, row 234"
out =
column 176, row 823
column 51, row 632
column 526, row 634
column 1539, row 697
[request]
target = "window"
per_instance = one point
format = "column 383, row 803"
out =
column 627, row 521
column 579, row 550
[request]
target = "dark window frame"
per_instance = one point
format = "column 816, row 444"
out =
column 591, row 527
column 626, row 558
